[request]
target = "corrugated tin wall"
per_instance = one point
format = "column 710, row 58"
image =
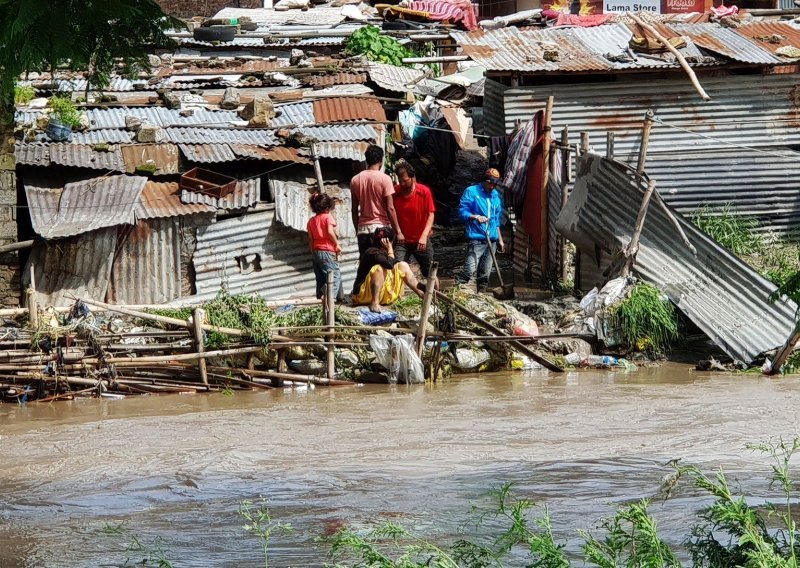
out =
column 147, row 267
column 705, row 166
column 254, row 254
column 494, row 117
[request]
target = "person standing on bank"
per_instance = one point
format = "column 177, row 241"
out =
column 372, row 195
column 324, row 243
column 481, row 209
column 415, row 214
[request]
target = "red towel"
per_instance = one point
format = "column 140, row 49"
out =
column 455, row 11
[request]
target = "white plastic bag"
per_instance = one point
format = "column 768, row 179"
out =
column 397, row 354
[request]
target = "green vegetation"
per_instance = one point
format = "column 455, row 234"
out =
column 734, row 232
column 253, row 315
column 647, row 322
column 23, row 95
column 65, row 111
column 370, row 42
column 259, row 523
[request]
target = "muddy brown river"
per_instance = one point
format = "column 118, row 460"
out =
column 176, row 467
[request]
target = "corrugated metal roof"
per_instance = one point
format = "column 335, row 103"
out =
column 105, row 136
column 104, row 118
column 274, row 153
column 340, row 132
column 79, row 266
column 164, row 200
column 32, row 154
column 316, row 16
column 294, row 113
column 721, row 294
column 291, row 203
column 393, row 78
column 164, row 156
column 238, row 41
column 207, row 153
column 343, row 109
column 246, row 194
column 574, row 49
column 353, row 151
column 147, row 264
column 43, row 201
column 80, row 156
column 772, row 35
column 85, row 206
column 619, row 107
column 195, row 135
column 725, row 42
column 343, row 78
column 116, row 85
column 322, row 41
column 254, row 254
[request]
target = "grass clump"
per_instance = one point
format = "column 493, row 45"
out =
column 23, row 95
column 647, row 321
column 737, row 233
column 65, row 111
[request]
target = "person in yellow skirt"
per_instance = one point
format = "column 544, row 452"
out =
column 382, row 276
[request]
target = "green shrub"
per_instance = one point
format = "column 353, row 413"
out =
column 65, row 111
column 370, row 42
column 23, row 95
column 648, row 323
column 734, row 232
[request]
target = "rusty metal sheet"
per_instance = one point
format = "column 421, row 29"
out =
column 771, row 36
column 32, row 154
column 164, row 200
column 147, row 264
column 716, row 290
column 198, row 135
column 85, row 206
column 82, row 156
column 274, row 154
column 207, row 153
column 725, row 42
column 291, row 202
column 316, row 16
column 78, row 266
column 394, row 78
column 343, row 78
column 164, row 156
column 255, row 254
column 353, row 151
column 343, row 109
column 246, row 194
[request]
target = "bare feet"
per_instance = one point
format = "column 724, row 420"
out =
column 375, row 308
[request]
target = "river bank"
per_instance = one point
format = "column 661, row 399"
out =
column 176, row 467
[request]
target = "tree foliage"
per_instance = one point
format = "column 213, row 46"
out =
column 82, row 35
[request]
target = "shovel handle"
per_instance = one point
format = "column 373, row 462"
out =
column 494, row 259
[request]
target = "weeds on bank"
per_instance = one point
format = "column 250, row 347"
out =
column 734, row 232
column 259, row 522
column 647, row 322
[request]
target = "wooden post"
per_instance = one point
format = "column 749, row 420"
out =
column 33, row 305
column 545, row 198
column 198, row 319
column 317, row 169
column 330, row 317
column 786, row 350
column 422, row 328
column 584, row 143
column 610, row 145
column 678, row 55
column 565, row 173
column 633, row 246
column 648, row 124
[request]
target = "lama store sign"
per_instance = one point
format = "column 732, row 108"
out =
column 589, row 7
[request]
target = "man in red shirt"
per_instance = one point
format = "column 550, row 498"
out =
column 415, row 208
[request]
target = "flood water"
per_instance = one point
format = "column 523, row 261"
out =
column 176, row 467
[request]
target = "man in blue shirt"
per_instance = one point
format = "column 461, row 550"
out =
column 481, row 209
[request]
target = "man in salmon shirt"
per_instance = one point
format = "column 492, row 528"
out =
column 372, row 194
column 415, row 212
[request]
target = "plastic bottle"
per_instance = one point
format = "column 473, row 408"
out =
column 601, row 361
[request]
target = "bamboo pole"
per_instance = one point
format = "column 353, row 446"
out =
column 663, row 41
column 785, row 350
column 633, row 246
column 497, row 331
column 133, row 361
column 317, row 169
column 565, row 171
column 330, row 318
column 648, row 125
column 33, row 306
column 544, row 218
column 430, row 287
column 198, row 319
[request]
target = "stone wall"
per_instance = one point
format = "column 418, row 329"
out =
column 189, row 8
column 9, row 262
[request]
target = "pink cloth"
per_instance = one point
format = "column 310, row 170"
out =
column 582, row 21
column 723, row 11
column 455, row 10
column 370, row 188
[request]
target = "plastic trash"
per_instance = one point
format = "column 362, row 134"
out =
column 467, row 359
column 376, row 318
column 599, row 361
column 398, row 356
